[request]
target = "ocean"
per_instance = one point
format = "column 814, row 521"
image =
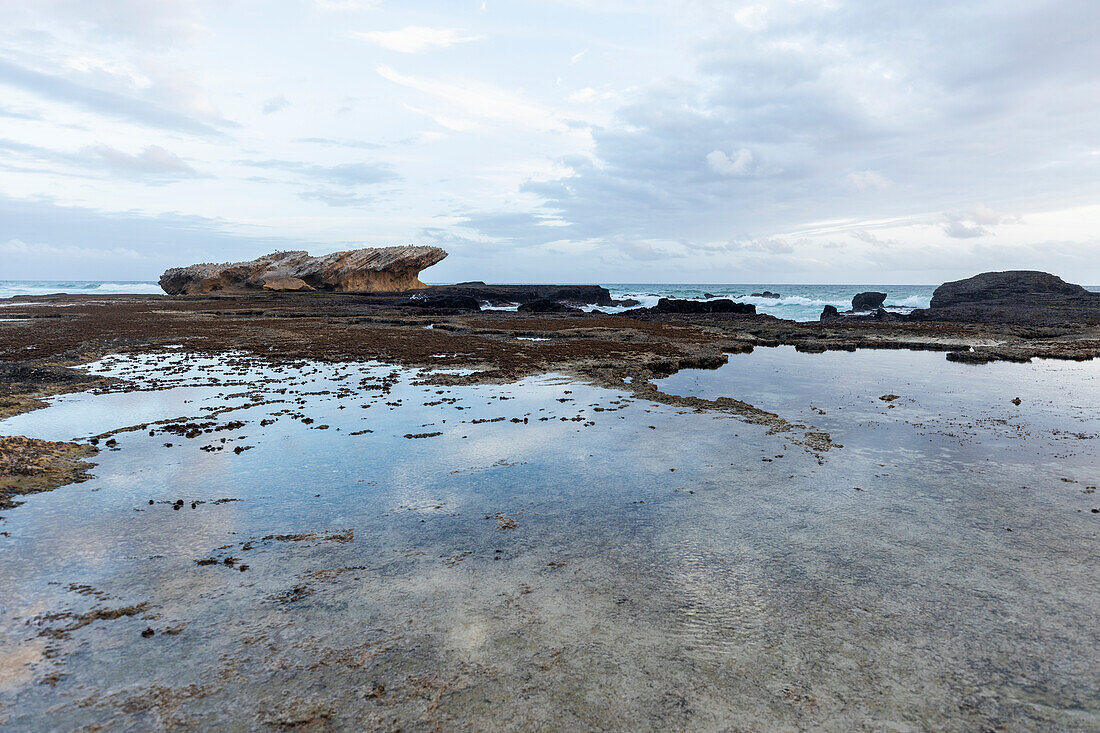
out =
column 796, row 302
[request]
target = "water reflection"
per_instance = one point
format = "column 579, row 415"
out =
column 539, row 561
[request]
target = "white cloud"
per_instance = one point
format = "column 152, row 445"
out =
column 480, row 100
column 19, row 248
column 415, row 38
column 740, row 164
column 869, row 180
column 589, row 95
column 275, row 104
column 153, row 161
column 978, row 221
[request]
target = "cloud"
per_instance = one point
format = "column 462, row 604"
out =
column 739, row 165
column 868, row 181
column 474, row 99
column 104, row 102
column 275, row 104
column 153, row 161
column 979, row 221
column 153, row 164
column 333, row 197
column 140, row 22
column 166, row 240
column 18, row 114
column 17, row 248
column 414, row 38
column 339, row 143
column 344, row 174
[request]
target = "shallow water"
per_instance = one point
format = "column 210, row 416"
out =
column 630, row 566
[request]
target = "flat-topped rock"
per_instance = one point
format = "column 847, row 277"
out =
column 368, row 270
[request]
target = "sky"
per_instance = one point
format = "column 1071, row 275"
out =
column 712, row 141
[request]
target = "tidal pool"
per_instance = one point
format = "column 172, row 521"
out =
column 353, row 546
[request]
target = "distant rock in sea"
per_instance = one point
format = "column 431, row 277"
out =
column 765, row 294
column 991, row 286
column 1015, row 296
column 868, row 301
column 369, row 270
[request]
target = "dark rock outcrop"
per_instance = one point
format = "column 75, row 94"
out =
column 829, row 313
column 1023, row 297
column 504, row 295
column 443, row 302
column 673, row 305
column 993, row 286
column 545, row 305
column 376, row 269
column 766, row 294
column 868, row 301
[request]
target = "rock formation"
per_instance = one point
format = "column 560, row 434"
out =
column 765, row 294
column 375, row 269
column 673, row 305
column 546, row 305
column 1016, row 296
column 506, row 295
column 992, row 286
column 868, row 301
column 443, row 302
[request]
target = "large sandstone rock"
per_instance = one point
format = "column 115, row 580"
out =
column 991, row 286
column 370, row 270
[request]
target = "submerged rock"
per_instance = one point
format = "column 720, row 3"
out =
column 375, row 269
column 868, row 301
